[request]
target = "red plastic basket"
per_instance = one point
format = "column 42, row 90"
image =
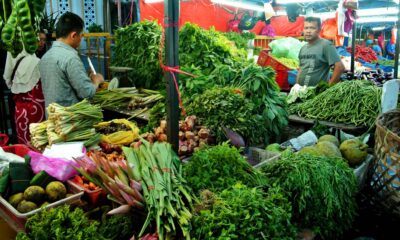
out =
column 17, row 149
column 265, row 59
column 94, row 196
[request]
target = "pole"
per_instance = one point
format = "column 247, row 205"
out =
column 119, row 13
column 353, row 46
column 171, row 12
column 396, row 55
column 137, row 8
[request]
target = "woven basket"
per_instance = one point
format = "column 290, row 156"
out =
column 385, row 181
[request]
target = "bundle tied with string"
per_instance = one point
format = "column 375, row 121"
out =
column 385, row 172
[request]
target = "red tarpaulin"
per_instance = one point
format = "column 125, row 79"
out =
column 206, row 14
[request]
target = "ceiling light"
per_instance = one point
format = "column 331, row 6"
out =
column 377, row 11
column 240, row 5
column 153, row 1
column 376, row 19
column 297, row 1
column 378, row 28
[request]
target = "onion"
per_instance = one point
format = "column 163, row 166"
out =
column 181, row 136
column 162, row 137
column 204, row 133
column 189, row 135
column 163, row 124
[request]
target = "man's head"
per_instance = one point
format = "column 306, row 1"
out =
column 312, row 27
column 69, row 29
column 42, row 40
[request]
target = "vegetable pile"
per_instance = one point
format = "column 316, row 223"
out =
column 167, row 197
column 206, row 48
column 364, row 53
column 321, row 189
column 191, row 136
column 289, row 62
column 66, row 223
column 137, row 46
column 221, row 167
column 357, row 102
column 243, row 213
column 73, row 123
column 228, row 107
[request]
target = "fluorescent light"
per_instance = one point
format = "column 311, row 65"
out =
column 378, row 28
column 240, row 5
column 297, row 1
column 377, row 11
column 153, row 1
column 376, row 19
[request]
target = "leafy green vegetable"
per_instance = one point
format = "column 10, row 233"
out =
column 137, row 46
column 221, row 167
column 321, row 189
column 240, row 39
column 357, row 102
column 206, row 48
column 227, row 107
column 60, row 223
column 244, row 213
column 116, row 227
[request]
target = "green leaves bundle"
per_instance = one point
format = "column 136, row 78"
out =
column 321, row 189
column 60, row 223
column 244, row 213
column 137, row 46
column 206, row 48
column 221, row 167
column 357, row 102
column 227, row 107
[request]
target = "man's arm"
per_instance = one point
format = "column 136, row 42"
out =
column 298, row 76
column 337, row 71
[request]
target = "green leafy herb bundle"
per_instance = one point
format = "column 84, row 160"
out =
column 244, row 213
column 60, row 223
column 321, row 189
column 228, row 107
column 357, row 102
column 219, row 167
column 206, row 48
column 137, row 46
column 240, row 39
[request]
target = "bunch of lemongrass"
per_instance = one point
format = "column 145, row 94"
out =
column 38, row 132
column 73, row 123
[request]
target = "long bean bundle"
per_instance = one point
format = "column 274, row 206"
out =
column 355, row 102
column 167, row 197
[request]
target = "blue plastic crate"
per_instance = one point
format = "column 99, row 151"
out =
column 292, row 75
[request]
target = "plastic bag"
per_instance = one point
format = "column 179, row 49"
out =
column 119, row 137
column 269, row 11
column 286, row 47
column 59, row 168
column 329, row 29
column 3, row 139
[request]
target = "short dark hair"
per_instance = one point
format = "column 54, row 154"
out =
column 314, row 19
column 68, row 22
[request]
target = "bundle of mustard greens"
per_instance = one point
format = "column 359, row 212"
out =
column 73, row 123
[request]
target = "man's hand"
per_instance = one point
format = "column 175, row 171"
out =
column 337, row 71
column 96, row 79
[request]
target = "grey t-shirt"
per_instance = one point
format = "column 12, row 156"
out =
column 64, row 78
column 315, row 61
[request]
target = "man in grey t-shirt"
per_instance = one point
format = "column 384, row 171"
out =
column 317, row 57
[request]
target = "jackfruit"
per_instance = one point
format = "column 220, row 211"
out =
column 26, row 206
column 55, row 191
column 354, row 151
column 15, row 199
column 328, row 149
column 310, row 150
column 329, row 138
column 34, row 194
